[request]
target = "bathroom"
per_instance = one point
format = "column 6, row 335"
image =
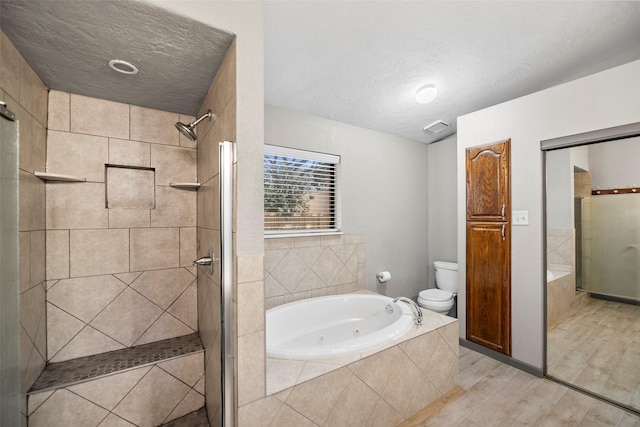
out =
column 65, row 237
column 440, row 185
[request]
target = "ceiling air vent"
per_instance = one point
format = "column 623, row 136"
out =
column 436, row 127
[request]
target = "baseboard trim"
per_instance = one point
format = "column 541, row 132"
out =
column 502, row 358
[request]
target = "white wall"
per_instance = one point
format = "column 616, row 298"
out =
column 384, row 192
column 602, row 100
column 615, row 163
column 559, row 189
column 443, row 203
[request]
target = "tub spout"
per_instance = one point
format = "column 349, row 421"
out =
column 416, row 308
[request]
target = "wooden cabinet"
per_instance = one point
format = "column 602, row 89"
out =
column 488, row 286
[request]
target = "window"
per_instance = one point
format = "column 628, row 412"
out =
column 300, row 191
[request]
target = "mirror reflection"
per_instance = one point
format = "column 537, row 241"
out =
column 593, row 274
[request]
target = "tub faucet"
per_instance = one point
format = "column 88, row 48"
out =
column 416, row 308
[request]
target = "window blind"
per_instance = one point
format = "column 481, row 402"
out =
column 300, row 191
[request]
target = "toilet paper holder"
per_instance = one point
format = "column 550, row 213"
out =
column 383, row 276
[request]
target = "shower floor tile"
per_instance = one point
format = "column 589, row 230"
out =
column 194, row 419
column 62, row 374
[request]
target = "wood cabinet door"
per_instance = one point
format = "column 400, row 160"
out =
column 488, row 192
column 489, row 285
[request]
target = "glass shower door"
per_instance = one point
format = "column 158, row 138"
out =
column 611, row 246
column 9, row 277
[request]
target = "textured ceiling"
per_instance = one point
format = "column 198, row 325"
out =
column 69, row 45
column 360, row 62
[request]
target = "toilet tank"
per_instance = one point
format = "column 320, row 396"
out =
column 446, row 276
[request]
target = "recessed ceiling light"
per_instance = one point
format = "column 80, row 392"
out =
column 426, row 94
column 123, row 67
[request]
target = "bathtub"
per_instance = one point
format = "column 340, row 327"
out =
column 335, row 325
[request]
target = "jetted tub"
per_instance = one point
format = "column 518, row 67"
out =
column 335, row 325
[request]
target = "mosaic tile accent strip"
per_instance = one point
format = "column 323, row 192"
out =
column 63, row 374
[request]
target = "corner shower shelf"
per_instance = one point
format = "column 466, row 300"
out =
column 45, row 176
column 185, row 185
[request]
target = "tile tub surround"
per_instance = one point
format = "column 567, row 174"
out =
column 384, row 386
column 118, row 276
column 304, row 267
column 561, row 297
column 561, row 249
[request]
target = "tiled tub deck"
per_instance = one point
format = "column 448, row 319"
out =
column 381, row 387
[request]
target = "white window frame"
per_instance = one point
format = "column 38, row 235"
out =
column 314, row 156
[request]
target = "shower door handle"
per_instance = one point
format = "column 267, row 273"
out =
column 206, row 260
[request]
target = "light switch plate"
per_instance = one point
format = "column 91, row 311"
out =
column 520, row 218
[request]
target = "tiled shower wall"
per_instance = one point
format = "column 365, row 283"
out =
column 26, row 96
column 221, row 99
column 305, row 267
column 118, row 276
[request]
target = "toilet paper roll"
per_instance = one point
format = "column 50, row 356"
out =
column 383, row 276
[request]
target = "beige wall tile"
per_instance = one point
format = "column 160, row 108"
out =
column 191, row 402
column 154, row 126
column 32, row 208
column 163, row 287
column 32, row 308
column 250, row 315
column 85, row 297
column 223, row 87
column 59, row 106
column 250, row 268
column 228, row 121
column 158, row 387
column 37, row 257
column 185, row 308
column 174, row 208
column 76, row 206
column 173, row 164
column 83, row 156
column 209, row 204
column 129, row 153
column 209, row 153
column 315, row 399
column 64, row 408
column 130, row 188
column 129, row 218
column 164, row 328
column 356, row 403
column 127, row 317
column 95, row 252
column 99, row 117
column 38, row 146
column 188, row 246
column 155, row 248
column 61, row 328
column 251, row 368
column 187, row 369
column 10, row 61
column 24, row 253
column 259, row 413
column 108, row 391
column 87, row 342
column 33, row 93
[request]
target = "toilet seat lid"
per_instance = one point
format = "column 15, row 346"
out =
column 435, row 295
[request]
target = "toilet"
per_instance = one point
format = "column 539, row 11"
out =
column 441, row 300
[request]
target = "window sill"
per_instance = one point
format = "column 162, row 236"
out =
column 318, row 234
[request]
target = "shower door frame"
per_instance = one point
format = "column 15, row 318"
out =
column 10, row 384
column 630, row 130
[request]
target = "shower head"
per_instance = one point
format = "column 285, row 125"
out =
column 189, row 130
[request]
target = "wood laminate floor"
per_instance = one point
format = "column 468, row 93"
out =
column 494, row 394
column 597, row 347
